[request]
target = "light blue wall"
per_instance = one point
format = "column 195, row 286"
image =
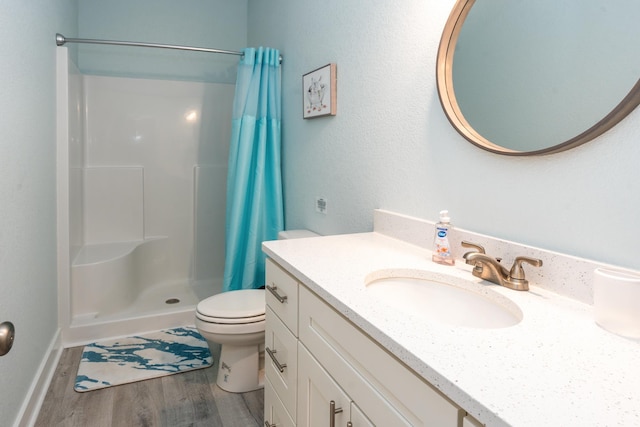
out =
column 391, row 146
column 28, row 285
column 219, row 24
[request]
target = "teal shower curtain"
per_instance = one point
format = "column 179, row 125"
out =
column 254, row 181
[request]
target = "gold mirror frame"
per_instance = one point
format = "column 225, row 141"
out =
column 446, row 93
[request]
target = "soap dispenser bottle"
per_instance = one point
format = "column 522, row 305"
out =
column 441, row 248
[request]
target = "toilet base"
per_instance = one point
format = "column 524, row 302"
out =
column 241, row 368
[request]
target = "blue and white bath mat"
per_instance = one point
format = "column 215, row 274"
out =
column 131, row 359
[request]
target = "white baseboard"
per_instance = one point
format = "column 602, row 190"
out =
column 33, row 401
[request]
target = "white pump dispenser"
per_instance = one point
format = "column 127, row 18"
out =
column 441, row 248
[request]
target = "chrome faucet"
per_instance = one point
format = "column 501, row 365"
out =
column 488, row 268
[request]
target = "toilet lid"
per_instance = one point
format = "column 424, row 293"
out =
column 239, row 304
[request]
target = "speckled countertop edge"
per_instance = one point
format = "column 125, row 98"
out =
column 555, row 368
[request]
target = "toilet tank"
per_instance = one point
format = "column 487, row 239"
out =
column 296, row 234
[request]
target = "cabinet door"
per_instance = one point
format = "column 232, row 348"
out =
column 316, row 390
column 358, row 419
column 274, row 411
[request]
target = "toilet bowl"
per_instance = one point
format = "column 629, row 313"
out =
column 235, row 319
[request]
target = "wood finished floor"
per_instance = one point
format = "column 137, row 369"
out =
column 181, row 400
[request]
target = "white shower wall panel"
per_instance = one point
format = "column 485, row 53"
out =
column 209, row 241
column 75, row 137
column 113, row 204
column 166, row 128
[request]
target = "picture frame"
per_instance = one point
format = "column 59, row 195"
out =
column 319, row 92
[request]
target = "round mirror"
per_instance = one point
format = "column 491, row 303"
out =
column 522, row 77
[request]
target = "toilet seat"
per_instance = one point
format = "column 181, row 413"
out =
column 230, row 328
column 228, row 321
column 241, row 311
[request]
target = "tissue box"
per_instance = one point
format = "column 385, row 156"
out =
column 616, row 301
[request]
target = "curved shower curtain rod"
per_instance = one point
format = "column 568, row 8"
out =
column 61, row 40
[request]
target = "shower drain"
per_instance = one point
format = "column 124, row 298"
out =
column 172, row 301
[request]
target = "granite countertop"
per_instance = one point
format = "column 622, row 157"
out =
column 554, row 368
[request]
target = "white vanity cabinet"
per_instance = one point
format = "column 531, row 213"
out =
column 281, row 345
column 336, row 361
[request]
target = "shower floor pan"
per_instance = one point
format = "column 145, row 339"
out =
column 121, row 289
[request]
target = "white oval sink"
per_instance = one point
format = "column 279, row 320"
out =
column 443, row 298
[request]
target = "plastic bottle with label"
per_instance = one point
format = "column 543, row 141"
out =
column 441, row 247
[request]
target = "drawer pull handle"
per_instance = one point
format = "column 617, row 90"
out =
column 266, row 424
column 332, row 413
column 349, row 424
column 272, row 354
column 274, row 290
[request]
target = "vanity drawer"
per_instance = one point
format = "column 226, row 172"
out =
column 381, row 385
column 282, row 295
column 281, row 347
column 274, row 412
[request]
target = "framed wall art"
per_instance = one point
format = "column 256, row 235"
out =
column 319, row 92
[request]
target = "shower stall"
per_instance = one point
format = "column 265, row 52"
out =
column 141, row 188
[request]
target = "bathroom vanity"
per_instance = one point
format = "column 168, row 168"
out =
column 331, row 373
column 336, row 355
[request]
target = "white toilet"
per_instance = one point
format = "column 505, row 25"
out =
column 236, row 320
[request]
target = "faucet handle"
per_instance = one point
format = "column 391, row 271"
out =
column 517, row 272
column 478, row 248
